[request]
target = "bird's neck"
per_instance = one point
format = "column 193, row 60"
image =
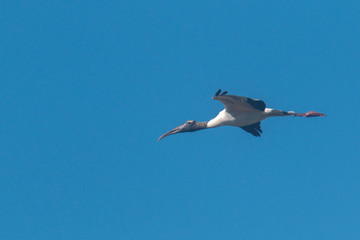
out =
column 201, row 125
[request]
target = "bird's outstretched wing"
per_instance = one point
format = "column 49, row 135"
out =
column 238, row 103
column 254, row 129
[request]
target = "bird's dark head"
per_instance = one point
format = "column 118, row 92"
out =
column 188, row 126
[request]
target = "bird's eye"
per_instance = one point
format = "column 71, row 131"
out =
column 189, row 122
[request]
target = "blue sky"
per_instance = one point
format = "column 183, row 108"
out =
column 87, row 87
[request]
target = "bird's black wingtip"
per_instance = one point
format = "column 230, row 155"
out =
column 218, row 93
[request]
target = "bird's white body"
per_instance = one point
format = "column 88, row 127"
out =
column 237, row 119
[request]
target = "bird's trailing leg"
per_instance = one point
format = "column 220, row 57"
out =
column 310, row 114
column 278, row 113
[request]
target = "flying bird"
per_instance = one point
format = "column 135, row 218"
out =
column 243, row 112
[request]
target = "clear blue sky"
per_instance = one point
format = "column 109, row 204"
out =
column 87, row 87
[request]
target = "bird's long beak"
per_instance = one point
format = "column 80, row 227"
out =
column 175, row 130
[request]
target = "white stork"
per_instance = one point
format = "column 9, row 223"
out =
column 243, row 112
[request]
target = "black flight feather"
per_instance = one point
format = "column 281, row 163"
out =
column 254, row 129
column 217, row 93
